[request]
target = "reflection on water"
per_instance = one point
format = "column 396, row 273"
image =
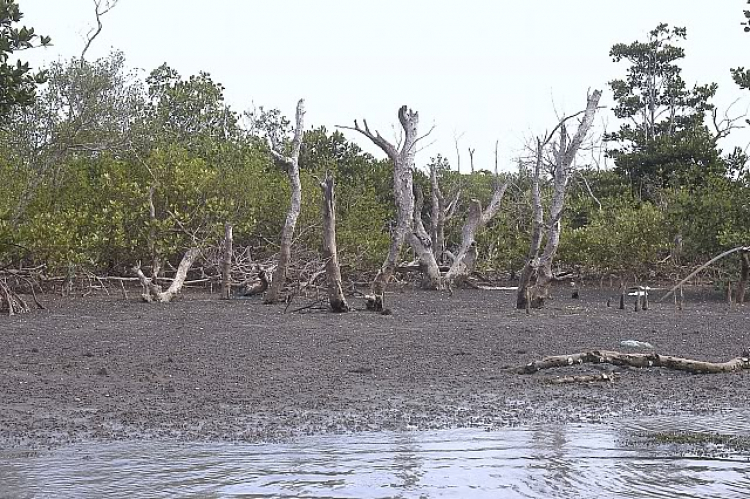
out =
column 576, row 461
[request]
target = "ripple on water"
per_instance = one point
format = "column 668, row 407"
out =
column 550, row 461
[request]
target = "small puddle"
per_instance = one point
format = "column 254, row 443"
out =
column 565, row 461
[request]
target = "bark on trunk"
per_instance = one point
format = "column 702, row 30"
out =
column 153, row 291
column 287, row 233
column 639, row 360
column 226, row 264
column 336, row 299
column 539, row 268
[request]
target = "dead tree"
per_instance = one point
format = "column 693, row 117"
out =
column 403, row 189
column 440, row 214
column 226, row 264
column 336, row 298
column 291, row 163
column 538, row 268
column 153, row 292
column 466, row 257
column 101, row 8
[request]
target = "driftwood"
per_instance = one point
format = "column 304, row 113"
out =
column 256, row 287
column 638, row 360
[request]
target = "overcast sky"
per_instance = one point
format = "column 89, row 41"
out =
column 488, row 70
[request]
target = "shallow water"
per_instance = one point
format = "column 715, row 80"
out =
column 581, row 461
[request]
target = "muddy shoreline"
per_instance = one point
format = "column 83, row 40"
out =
column 201, row 369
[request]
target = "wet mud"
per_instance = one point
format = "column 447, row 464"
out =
column 106, row 369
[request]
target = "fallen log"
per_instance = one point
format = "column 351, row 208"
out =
column 638, row 360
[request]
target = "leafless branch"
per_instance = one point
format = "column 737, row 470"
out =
column 726, row 124
column 101, row 8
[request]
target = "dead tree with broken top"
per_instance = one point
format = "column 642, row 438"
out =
column 402, row 157
column 536, row 277
column 465, row 258
column 291, row 163
column 336, row 299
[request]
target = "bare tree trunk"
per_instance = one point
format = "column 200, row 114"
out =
column 287, row 233
column 153, row 291
column 744, row 275
column 532, row 261
column 437, row 215
column 403, row 190
column 226, row 264
column 421, row 243
column 539, row 268
column 336, row 299
column 440, row 214
column 466, row 257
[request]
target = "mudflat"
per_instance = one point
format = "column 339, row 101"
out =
column 201, row 369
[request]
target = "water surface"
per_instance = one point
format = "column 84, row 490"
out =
column 565, row 461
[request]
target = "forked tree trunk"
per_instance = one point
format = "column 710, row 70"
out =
column 403, row 185
column 539, row 268
column 465, row 259
column 336, row 298
column 287, row 233
column 153, row 291
column 226, row 264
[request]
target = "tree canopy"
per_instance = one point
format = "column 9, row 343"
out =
column 18, row 82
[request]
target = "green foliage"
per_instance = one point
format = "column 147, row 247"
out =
column 624, row 236
column 17, row 81
column 190, row 112
column 77, row 165
column 712, row 218
column 663, row 139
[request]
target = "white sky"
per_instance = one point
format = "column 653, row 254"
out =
column 489, row 70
